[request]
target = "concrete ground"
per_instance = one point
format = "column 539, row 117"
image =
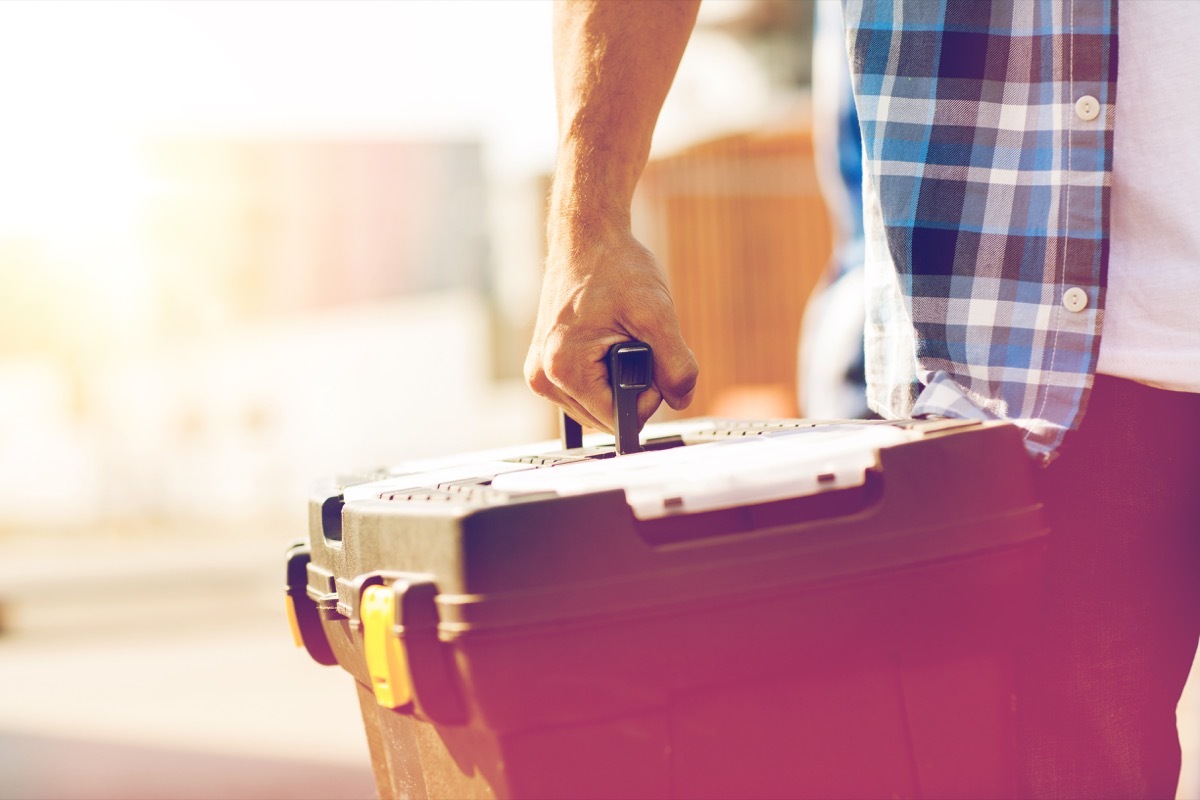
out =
column 160, row 665
column 155, row 661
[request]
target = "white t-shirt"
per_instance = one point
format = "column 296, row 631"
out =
column 1151, row 328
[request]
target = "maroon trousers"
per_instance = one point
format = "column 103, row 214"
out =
column 1100, row 681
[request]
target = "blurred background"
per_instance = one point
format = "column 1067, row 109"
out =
column 244, row 246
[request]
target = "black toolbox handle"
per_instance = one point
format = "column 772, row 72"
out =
column 630, row 372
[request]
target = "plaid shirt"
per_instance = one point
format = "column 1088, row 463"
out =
column 988, row 146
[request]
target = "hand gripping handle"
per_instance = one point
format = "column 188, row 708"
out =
column 630, row 372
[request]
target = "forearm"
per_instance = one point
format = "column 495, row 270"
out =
column 614, row 63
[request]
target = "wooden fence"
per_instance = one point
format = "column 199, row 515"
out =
column 741, row 227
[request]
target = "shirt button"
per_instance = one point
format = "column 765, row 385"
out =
column 1075, row 299
column 1087, row 108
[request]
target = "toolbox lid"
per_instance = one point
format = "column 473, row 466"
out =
column 483, row 464
column 708, row 474
column 775, row 465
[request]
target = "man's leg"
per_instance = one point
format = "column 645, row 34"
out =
column 1100, row 681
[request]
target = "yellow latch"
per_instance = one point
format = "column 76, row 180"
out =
column 386, row 662
column 294, row 621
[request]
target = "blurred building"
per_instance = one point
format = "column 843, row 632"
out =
column 296, row 307
column 269, row 227
column 228, row 316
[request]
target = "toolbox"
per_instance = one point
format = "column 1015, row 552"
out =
column 784, row 608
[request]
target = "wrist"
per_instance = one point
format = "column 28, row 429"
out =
column 579, row 217
column 594, row 182
column 574, row 226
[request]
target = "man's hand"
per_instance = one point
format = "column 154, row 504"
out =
column 614, row 61
column 603, row 287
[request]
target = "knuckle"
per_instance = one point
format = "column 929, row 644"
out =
column 536, row 378
column 556, row 370
column 560, row 365
column 540, row 385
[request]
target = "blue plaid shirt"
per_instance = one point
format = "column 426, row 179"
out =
column 988, row 145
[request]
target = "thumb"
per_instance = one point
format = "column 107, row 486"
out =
column 675, row 370
column 647, row 403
